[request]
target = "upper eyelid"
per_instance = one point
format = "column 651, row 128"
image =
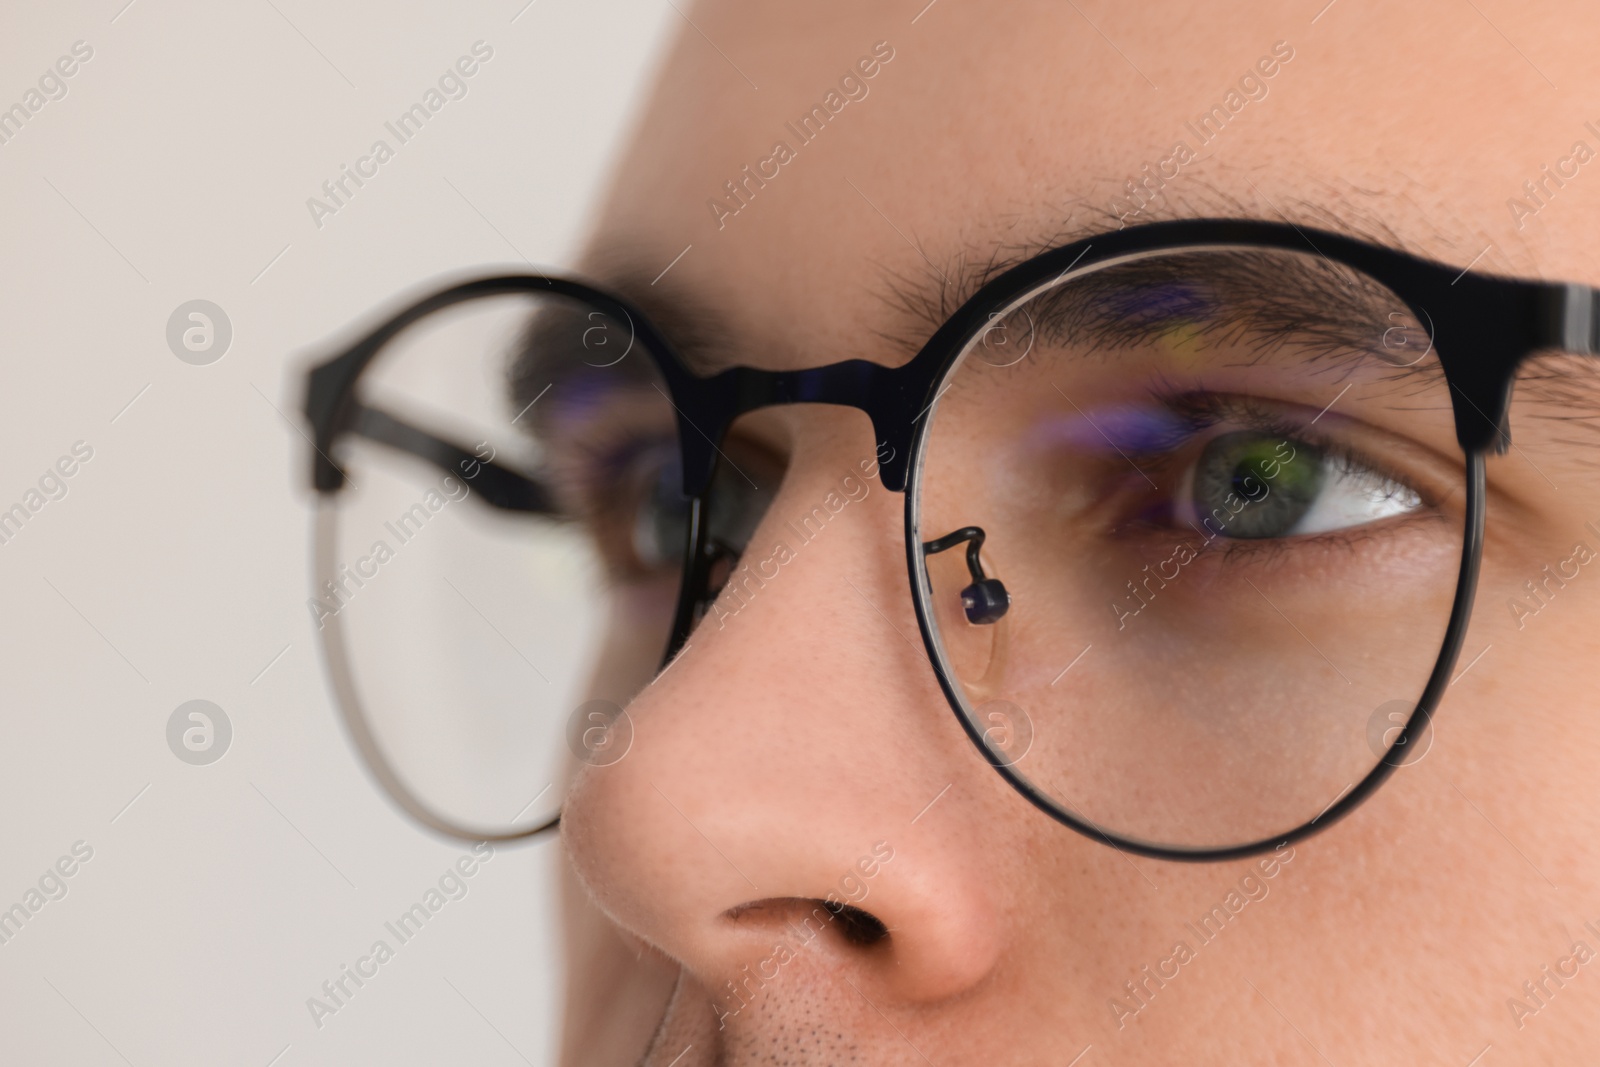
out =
column 1259, row 417
column 1184, row 414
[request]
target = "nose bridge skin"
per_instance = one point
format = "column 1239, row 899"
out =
column 798, row 757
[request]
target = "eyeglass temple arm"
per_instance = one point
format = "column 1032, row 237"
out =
column 1573, row 319
column 1499, row 323
column 499, row 487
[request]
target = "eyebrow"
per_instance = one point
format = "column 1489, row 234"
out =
column 924, row 298
column 1565, row 388
column 704, row 338
column 1562, row 387
column 1274, row 298
column 701, row 338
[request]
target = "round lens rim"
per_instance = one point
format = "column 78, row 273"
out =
column 352, row 708
column 331, row 396
column 957, row 340
column 1494, row 322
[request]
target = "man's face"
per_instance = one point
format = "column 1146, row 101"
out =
column 800, row 756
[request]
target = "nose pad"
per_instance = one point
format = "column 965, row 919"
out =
column 985, row 602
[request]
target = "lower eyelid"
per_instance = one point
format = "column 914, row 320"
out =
column 1437, row 485
column 1345, row 540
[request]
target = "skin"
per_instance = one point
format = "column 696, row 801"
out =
column 791, row 738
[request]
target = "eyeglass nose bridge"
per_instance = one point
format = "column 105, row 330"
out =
column 889, row 396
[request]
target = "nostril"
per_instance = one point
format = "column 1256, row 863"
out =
column 807, row 916
column 858, row 927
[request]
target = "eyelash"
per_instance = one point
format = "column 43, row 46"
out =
column 1198, row 411
column 610, row 481
column 614, row 455
column 602, row 477
column 1201, row 411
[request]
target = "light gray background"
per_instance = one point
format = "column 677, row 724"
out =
column 177, row 168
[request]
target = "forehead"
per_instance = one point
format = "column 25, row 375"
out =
column 811, row 183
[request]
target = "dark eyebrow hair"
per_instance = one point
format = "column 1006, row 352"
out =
column 1564, row 387
column 922, row 302
column 923, row 299
column 1273, row 297
column 586, row 352
column 547, row 354
column 919, row 299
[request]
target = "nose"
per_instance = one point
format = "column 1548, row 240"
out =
column 797, row 788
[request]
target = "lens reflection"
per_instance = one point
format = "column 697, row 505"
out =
column 1223, row 492
column 501, row 517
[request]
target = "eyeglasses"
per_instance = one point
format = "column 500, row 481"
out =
column 1186, row 505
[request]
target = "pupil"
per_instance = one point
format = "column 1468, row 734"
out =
column 1245, row 475
column 1249, row 485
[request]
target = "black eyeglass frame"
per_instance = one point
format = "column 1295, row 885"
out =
column 1482, row 328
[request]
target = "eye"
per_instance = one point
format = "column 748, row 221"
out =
column 660, row 519
column 1251, row 485
column 742, row 489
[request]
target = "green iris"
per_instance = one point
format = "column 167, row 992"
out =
column 1253, row 485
